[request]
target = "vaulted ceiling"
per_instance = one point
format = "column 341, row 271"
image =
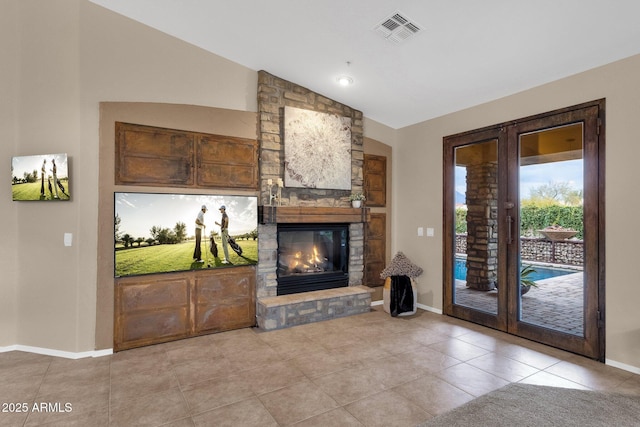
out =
column 410, row 60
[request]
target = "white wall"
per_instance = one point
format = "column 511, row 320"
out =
column 419, row 187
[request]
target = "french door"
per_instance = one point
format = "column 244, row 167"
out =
column 524, row 228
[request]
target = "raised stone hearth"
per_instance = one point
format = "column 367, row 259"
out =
column 307, row 307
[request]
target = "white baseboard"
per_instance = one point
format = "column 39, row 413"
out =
column 57, row 353
column 109, row 351
column 623, row 366
column 428, row 308
column 374, row 303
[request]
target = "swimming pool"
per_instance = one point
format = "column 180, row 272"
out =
column 460, row 271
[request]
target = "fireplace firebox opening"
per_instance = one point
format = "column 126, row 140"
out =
column 312, row 257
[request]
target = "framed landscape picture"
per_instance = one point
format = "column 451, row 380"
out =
column 157, row 233
column 43, row 177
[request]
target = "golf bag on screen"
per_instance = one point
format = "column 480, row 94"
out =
column 236, row 247
column 213, row 247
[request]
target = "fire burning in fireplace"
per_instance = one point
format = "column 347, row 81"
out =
column 306, row 262
column 312, row 257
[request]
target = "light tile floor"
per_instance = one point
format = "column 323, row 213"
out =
column 365, row 370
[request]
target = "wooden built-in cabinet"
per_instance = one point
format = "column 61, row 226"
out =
column 154, row 156
column 227, row 162
column 165, row 307
column 159, row 308
column 374, row 250
column 375, row 190
column 224, row 300
column 375, row 180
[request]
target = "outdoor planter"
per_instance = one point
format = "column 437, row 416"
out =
column 557, row 235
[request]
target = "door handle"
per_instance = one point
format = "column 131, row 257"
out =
column 509, row 225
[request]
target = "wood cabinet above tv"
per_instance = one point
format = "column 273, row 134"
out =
column 153, row 156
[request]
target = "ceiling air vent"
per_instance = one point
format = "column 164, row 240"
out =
column 397, row 28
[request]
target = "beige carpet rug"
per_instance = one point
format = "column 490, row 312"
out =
column 518, row 405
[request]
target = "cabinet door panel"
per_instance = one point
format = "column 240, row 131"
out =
column 224, row 300
column 375, row 180
column 155, row 171
column 153, row 156
column 155, row 326
column 150, row 311
column 374, row 249
column 227, row 162
column 214, row 175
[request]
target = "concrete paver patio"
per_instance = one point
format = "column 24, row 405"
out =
column 557, row 302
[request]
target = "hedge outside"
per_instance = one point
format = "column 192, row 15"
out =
column 533, row 218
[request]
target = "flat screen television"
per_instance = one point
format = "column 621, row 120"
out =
column 156, row 233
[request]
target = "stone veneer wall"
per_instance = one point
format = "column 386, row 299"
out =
column 274, row 94
column 482, row 222
column 569, row 252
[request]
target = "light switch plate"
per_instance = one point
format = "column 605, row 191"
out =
column 430, row 232
column 68, row 239
column 420, row 231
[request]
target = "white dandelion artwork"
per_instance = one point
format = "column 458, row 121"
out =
column 317, row 150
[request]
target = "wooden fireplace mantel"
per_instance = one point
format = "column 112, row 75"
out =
column 298, row 214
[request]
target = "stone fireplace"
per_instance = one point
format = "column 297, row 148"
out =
column 297, row 207
column 278, row 310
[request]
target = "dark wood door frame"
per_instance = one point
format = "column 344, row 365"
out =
column 496, row 133
column 593, row 115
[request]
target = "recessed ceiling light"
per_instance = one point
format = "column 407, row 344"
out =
column 345, row 80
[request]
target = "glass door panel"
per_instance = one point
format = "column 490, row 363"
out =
column 551, row 253
column 475, row 259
